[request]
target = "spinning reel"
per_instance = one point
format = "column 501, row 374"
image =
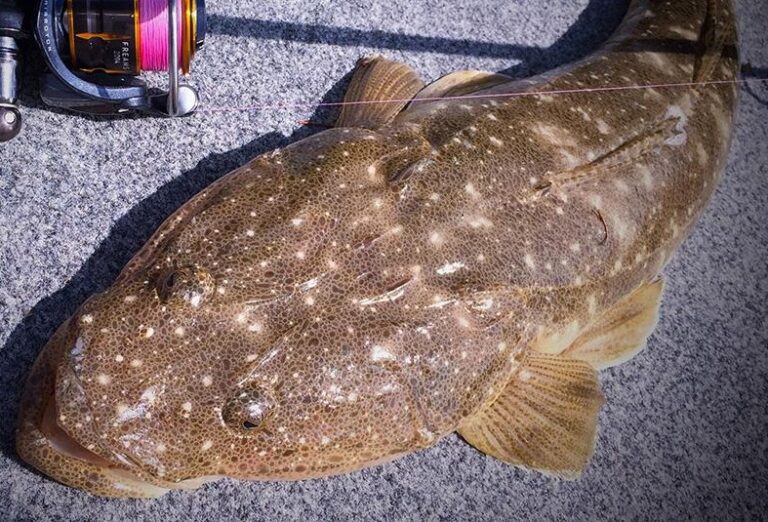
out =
column 95, row 51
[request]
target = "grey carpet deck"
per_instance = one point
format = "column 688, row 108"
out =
column 683, row 433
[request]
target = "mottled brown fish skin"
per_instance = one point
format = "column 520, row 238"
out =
column 359, row 294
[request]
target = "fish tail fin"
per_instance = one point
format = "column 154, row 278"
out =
column 544, row 419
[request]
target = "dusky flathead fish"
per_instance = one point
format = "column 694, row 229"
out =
column 463, row 261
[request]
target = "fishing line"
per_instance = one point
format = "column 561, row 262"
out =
column 559, row 92
column 153, row 23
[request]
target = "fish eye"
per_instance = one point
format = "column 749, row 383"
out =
column 248, row 410
column 185, row 285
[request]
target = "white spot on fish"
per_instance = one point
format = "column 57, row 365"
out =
column 380, row 353
column 621, row 185
column 603, row 127
column 687, row 34
column 479, row 222
column 681, row 136
column 103, row 379
column 702, row 153
column 436, row 238
column 592, row 303
column 470, row 189
column 529, row 261
column 658, row 60
column 646, row 176
column 255, row 328
column 555, row 135
column 450, row 268
column 148, row 395
column 207, row 380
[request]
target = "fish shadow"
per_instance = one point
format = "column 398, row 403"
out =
column 593, row 26
column 759, row 75
column 131, row 231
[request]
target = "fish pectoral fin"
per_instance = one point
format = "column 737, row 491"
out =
column 378, row 91
column 618, row 334
column 461, row 83
column 545, row 419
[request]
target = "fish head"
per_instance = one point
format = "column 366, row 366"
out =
column 261, row 362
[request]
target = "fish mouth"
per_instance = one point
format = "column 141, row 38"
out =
column 61, row 456
column 43, row 443
column 46, row 446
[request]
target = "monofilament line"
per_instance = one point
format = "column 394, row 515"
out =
column 557, row 92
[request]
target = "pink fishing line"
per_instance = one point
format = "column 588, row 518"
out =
column 582, row 90
column 153, row 19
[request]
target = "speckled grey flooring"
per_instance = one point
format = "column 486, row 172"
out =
column 683, row 433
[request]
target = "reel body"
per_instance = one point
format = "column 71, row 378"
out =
column 96, row 50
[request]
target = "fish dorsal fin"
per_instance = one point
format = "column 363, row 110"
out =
column 544, row 419
column 615, row 336
column 378, row 91
column 460, row 83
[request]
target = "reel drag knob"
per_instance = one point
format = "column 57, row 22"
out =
column 10, row 123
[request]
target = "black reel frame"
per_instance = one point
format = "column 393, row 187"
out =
column 94, row 93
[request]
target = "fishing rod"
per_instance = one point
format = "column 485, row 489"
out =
column 96, row 51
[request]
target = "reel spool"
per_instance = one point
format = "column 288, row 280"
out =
column 97, row 48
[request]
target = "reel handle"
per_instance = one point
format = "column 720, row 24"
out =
column 10, row 116
column 12, row 30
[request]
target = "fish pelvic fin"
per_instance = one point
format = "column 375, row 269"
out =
column 378, row 91
column 615, row 336
column 545, row 419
